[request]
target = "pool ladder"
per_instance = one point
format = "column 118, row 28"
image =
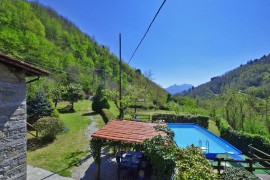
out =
column 205, row 148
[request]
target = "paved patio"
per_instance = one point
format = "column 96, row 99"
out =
column 34, row 173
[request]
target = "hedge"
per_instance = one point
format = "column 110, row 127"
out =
column 106, row 115
column 176, row 118
column 237, row 173
column 241, row 140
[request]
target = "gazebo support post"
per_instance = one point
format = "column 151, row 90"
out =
column 96, row 145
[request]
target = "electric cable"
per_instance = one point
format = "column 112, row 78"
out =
column 147, row 31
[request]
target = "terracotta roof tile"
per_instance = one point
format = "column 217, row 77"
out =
column 127, row 131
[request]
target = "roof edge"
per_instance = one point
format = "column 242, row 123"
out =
column 30, row 70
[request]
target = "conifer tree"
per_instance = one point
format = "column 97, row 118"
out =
column 38, row 107
column 100, row 102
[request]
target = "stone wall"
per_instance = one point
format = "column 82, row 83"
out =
column 12, row 124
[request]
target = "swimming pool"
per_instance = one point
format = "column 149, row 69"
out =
column 187, row 134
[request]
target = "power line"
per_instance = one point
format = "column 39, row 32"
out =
column 147, row 31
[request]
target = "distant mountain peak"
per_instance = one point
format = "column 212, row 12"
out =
column 175, row 89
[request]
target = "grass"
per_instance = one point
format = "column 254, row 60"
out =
column 213, row 128
column 68, row 148
column 113, row 109
column 129, row 111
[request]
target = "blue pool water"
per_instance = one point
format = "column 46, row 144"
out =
column 187, row 134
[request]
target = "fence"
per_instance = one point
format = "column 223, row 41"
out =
column 253, row 151
column 31, row 128
column 141, row 117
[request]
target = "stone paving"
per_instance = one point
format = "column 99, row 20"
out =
column 263, row 176
column 34, row 173
column 86, row 169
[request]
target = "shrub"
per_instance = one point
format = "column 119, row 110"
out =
column 163, row 159
column 241, row 140
column 174, row 118
column 192, row 164
column 106, row 115
column 38, row 107
column 222, row 124
column 171, row 162
column 237, row 173
column 48, row 128
column 100, row 102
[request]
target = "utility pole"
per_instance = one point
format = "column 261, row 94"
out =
column 121, row 112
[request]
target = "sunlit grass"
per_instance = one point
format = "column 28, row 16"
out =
column 113, row 109
column 213, row 128
column 128, row 112
column 69, row 147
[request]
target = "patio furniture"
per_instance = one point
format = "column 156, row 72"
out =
column 130, row 164
column 211, row 155
column 119, row 156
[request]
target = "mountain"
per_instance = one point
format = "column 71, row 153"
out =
column 175, row 89
column 251, row 78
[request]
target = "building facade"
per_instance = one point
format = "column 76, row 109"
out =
column 13, row 116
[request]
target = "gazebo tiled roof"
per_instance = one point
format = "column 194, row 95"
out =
column 127, row 131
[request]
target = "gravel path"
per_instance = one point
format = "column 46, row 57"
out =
column 87, row 168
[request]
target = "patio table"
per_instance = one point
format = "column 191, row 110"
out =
column 131, row 162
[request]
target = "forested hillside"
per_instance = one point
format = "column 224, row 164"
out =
column 251, row 78
column 38, row 35
column 240, row 96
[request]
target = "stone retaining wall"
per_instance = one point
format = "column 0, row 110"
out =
column 12, row 124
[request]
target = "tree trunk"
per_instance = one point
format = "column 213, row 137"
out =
column 121, row 113
column 98, row 171
column 55, row 103
column 72, row 103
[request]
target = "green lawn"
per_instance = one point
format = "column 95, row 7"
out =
column 129, row 111
column 69, row 147
column 213, row 128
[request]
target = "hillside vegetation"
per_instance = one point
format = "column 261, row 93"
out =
column 241, row 97
column 251, row 78
column 40, row 36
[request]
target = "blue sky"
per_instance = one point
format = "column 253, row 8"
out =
column 190, row 41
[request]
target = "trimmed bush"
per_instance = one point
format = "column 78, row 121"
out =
column 100, row 102
column 106, row 115
column 192, row 164
column 48, row 128
column 241, row 140
column 175, row 118
column 237, row 173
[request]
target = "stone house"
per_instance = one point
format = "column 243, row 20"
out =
column 13, row 116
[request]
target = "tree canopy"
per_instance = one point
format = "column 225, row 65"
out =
column 37, row 34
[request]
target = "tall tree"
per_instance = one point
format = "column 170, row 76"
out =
column 38, row 107
column 100, row 101
column 73, row 94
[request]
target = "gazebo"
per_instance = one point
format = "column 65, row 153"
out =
column 127, row 131
column 123, row 131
